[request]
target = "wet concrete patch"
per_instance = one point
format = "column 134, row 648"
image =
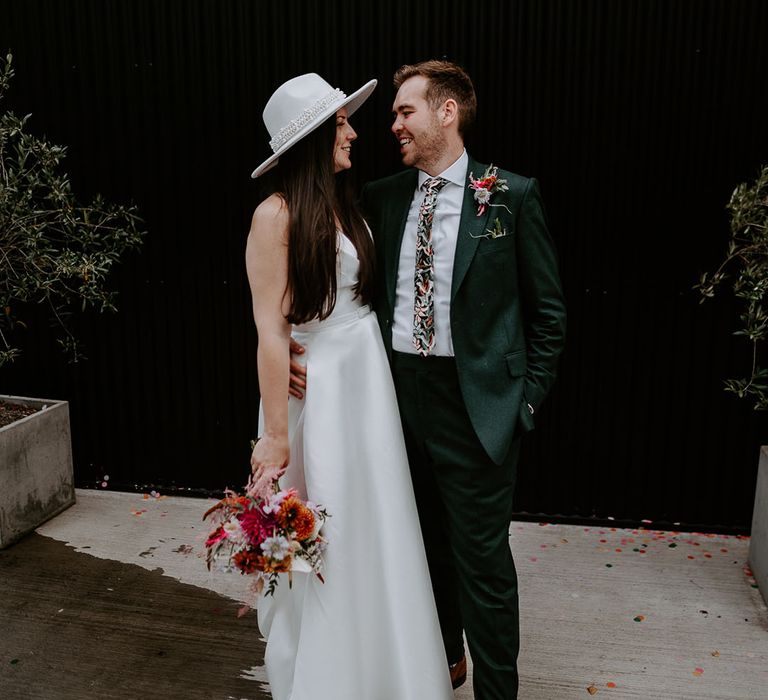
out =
column 73, row 626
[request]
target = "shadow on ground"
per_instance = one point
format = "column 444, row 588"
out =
column 73, row 626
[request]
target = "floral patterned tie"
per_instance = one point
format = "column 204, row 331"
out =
column 424, row 279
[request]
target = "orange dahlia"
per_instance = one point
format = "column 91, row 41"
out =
column 247, row 561
column 274, row 567
column 294, row 515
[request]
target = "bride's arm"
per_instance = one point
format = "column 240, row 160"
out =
column 266, row 259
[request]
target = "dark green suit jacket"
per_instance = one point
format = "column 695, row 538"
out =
column 507, row 311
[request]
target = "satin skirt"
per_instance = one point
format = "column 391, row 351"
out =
column 370, row 632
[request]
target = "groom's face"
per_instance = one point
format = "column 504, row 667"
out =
column 416, row 126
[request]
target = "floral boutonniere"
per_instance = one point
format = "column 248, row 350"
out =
column 485, row 187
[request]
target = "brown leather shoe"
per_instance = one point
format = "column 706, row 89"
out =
column 458, row 672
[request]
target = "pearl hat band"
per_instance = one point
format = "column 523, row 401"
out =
column 299, row 106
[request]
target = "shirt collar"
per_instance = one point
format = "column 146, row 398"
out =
column 455, row 173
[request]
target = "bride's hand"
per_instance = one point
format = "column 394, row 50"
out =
column 268, row 462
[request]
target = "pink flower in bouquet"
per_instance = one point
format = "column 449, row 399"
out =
column 216, row 536
column 233, row 531
column 257, row 525
column 275, row 501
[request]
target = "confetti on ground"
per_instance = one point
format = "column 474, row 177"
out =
column 139, row 512
column 14, row 662
column 698, row 672
column 591, row 690
column 610, row 566
column 715, row 653
column 610, row 684
column 639, row 618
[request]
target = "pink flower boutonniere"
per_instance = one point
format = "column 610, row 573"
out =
column 486, row 186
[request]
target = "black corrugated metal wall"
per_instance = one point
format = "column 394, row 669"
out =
column 638, row 117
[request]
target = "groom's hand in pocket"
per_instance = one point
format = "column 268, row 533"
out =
column 297, row 383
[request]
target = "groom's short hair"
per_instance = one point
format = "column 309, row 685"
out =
column 446, row 80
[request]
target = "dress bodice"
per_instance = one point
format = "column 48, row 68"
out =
column 347, row 270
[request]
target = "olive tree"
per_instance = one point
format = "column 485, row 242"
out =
column 54, row 251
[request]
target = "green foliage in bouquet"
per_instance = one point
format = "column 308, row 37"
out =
column 53, row 250
column 746, row 266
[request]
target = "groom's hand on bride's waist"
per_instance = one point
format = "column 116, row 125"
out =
column 297, row 383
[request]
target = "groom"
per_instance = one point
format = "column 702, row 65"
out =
column 472, row 317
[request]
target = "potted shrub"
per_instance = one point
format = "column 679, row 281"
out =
column 55, row 254
column 746, row 268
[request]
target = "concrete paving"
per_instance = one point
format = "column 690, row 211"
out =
column 112, row 599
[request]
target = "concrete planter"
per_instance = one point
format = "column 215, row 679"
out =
column 758, row 544
column 36, row 478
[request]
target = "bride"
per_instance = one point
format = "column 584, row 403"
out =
column 370, row 631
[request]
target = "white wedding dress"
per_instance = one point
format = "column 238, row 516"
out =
column 370, row 632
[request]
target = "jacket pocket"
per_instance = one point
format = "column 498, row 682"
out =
column 517, row 363
column 499, row 245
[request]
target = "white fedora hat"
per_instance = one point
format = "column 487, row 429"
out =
column 298, row 107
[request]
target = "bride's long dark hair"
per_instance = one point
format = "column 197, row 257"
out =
column 316, row 198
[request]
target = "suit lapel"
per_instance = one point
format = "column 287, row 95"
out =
column 397, row 217
column 471, row 229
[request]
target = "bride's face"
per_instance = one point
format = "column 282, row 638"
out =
column 345, row 135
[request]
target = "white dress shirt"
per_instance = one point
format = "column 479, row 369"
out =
column 445, row 229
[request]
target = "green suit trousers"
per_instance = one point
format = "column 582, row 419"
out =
column 465, row 507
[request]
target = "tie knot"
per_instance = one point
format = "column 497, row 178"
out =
column 434, row 184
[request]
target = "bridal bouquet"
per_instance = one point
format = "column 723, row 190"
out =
column 266, row 536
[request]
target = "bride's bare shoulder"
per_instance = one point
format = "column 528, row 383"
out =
column 270, row 218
